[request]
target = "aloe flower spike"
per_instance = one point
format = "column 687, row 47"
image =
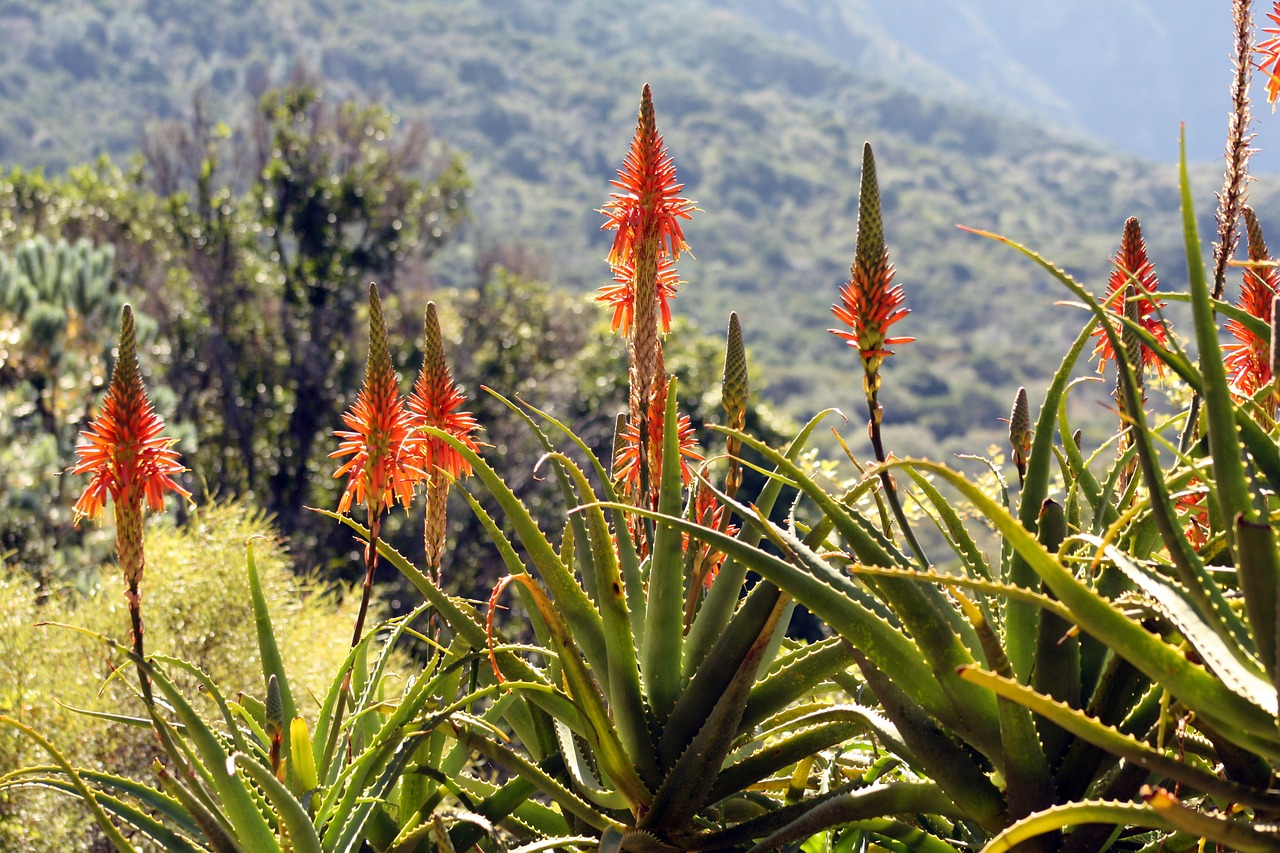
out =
column 435, row 402
column 131, row 463
column 1020, row 433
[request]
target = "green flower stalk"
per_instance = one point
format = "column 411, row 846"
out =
column 131, row 463
column 869, row 304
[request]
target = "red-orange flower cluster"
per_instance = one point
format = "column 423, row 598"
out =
column 435, row 402
column 1249, row 359
column 1269, row 51
column 869, row 304
column 1132, row 267
column 621, row 295
column 649, row 203
column 124, row 452
column 381, row 438
column 626, row 466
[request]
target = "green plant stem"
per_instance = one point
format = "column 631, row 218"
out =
column 874, row 414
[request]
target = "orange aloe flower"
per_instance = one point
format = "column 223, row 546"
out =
column 435, row 402
column 869, row 301
column 1133, row 267
column 1269, row 50
column 124, row 452
column 381, row 439
column 649, row 203
column 621, row 295
column 1249, row 359
column 626, row 465
column 709, row 512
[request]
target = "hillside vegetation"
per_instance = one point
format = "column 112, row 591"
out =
column 764, row 129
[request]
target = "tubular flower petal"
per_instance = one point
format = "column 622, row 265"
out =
column 123, row 451
column 626, row 463
column 649, row 201
column 435, row 402
column 1249, row 359
column 708, row 512
column 1133, row 267
column 621, row 295
column 869, row 301
column 381, row 437
column 1269, row 51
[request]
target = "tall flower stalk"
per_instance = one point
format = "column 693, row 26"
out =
column 435, row 402
column 869, row 304
column 381, row 441
column 132, row 464
column 645, row 213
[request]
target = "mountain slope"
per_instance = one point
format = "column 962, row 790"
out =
column 766, row 131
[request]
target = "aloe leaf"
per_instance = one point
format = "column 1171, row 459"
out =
column 1232, row 834
column 1236, row 669
column 663, row 631
column 1162, row 663
column 234, row 792
column 1206, row 593
column 302, row 835
column 626, row 549
column 781, row 753
column 513, row 799
column 82, row 790
column 834, row 597
column 1021, row 621
column 461, row 617
column 615, row 763
column 508, row 758
column 153, row 830
column 1259, row 444
column 953, row 528
column 720, row 668
column 1259, row 575
column 684, row 791
column 1060, row 817
column 792, row 677
column 1122, row 745
column 1224, row 442
column 1077, row 470
column 923, row 610
column 872, row 802
column 721, row 601
column 566, row 491
column 622, row 678
column 574, row 604
column 268, row 649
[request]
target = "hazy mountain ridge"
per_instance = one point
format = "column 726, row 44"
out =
column 766, row 132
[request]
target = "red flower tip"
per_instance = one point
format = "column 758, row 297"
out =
column 621, row 295
column 435, row 402
column 123, row 451
column 649, row 205
column 380, row 438
column 1133, row 267
column 1269, row 51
